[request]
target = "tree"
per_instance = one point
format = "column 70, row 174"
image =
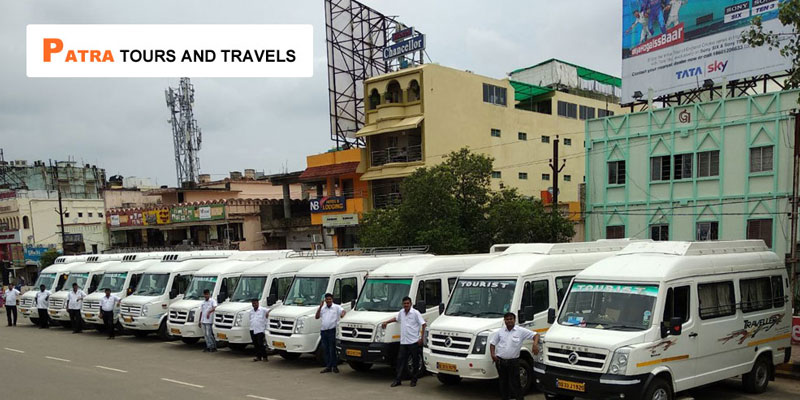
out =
column 517, row 219
column 48, row 258
column 787, row 43
column 381, row 227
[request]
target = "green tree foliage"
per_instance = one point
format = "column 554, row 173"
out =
column 48, row 258
column 452, row 208
column 787, row 43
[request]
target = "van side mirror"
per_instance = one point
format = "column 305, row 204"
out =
column 353, row 304
column 672, row 327
column 551, row 316
column 173, row 294
column 222, row 297
column 420, row 306
column 272, row 299
column 528, row 310
column 441, row 308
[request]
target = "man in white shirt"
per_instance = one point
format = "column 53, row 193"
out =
column 42, row 301
column 10, row 297
column 74, row 300
column 258, row 325
column 207, row 321
column 412, row 327
column 330, row 314
column 107, row 304
column 504, row 347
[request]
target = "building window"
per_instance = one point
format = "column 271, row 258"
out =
column 615, row 232
column 348, row 189
column 393, row 92
column 659, row 168
column 567, row 178
column 716, row 299
column 522, row 136
column 495, row 132
column 544, row 107
column 80, row 215
column 616, row 172
column 545, row 139
column 708, row 163
column 523, row 175
column 100, row 215
column 567, row 142
column 568, row 110
column 760, row 229
column 545, row 177
column 374, row 99
column 26, row 224
column 494, row 94
column 761, row 159
column 586, row 112
column 708, row 230
column 604, row 113
column 659, row 232
column 497, row 174
column 413, row 90
column 66, row 215
column 683, row 166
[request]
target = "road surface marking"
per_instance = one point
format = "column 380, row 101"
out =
column 252, row 396
column 182, row 383
column 14, row 350
column 111, row 369
column 175, row 343
column 57, row 359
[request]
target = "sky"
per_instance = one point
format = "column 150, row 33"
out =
column 268, row 124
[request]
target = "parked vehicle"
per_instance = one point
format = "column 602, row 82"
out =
column 526, row 279
column 268, row 282
column 292, row 329
column 87, row 275
column 145, row 311
column 53, row 278
column 122, row 278
column 362, row 341
column 663, row 317
column 220, row 279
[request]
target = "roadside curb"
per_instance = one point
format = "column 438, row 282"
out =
column 788, row 371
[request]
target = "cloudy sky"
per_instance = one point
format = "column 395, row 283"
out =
column 265, row 124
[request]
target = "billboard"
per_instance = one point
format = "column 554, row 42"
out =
column 675, row 45
column 197, row 213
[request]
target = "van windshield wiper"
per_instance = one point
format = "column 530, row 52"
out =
column 624, row 327
column 461, row 313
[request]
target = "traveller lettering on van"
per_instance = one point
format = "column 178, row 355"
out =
column 661, row 347
column 752, row 328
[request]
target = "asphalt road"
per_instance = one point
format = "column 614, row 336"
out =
column 55, row 363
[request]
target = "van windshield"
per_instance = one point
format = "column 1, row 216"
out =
column 113, row 281
column 481, row 298
column 249, row 288
column 622, row 307
column 80, row 279
column 198, row 285
column 383, row 294
column 46, row 280
column 306, row 291
column 152, row 284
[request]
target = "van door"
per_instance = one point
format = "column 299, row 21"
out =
column 678, row 351
column 226, row 288
column 133, row 284
column 536, row 294
column 430, row 291
column 719, row 331
column 345, row 290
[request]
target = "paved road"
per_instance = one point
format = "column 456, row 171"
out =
column 57, row 364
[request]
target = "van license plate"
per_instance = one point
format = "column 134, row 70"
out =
column 446, row 367
column 24, row 310
column 279, row 345
column 88, row 315
column 569, row 385
column 127, row 319
column 222, row 336
column 53, row 312
column 175, row 331
column 353, row 353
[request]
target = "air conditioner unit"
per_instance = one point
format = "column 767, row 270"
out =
column 316, row 238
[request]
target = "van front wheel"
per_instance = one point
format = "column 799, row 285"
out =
column 525, row 375
column 756, row 381
column 659, row 389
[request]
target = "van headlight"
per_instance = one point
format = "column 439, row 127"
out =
column 66, row 303
column 238, row 320
column 299, row 324
column 425, row 338
column 380, row 333
column 540, row 356
column 480, row 343
column 619, row 362
column 190, row 318
column 145, row 310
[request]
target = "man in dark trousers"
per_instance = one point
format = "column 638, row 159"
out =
column 107, row 304
column 412, row 327
column 10, row 298
column 504, row 347
column 330, row 314
column 258, row 325
column 74, row 301
column 42, row 301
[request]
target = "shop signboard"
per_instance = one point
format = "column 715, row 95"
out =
column 327, row 204
column 339, row 220
column 197, row 213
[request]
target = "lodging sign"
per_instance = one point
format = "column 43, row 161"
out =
column 197, row 213
column 406, row 41
column 675, row 45
column 328, row 203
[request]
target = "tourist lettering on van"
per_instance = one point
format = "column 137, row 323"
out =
column 484, row 284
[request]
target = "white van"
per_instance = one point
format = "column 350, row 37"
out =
column 664, row 317
column 220, row 279
column 361, row 340
column 268, row 282
column 122, row 278
column 87, row 275
column 526, row 279
column 145, row 311
column 53, row 278
column 292, row 329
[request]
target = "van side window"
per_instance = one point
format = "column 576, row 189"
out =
column 345, row 290
column 535, row 294
column 451, row 282
column 716, row 299
column 756, row 294
column 228, row 284
column 99, row 277
column 431, row 292
column 182, row 283
column 777, row 292
column 280, row 286
column 61, row 280
column 677, row 304
column 562, row 283
column 135, row 278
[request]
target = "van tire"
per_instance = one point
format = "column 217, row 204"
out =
column 449, row 380
column 289, row 356
column 190, row 340
column 526, row 368
column 35, row 321
column 163, row 331
column 659, row 389
column 757, row 379
column 359, row 366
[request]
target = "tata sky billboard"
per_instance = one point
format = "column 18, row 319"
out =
column 675, row 45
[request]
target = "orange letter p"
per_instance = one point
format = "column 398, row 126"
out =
column 52, row 46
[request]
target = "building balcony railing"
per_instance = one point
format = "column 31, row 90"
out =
column 396, row 155
column 387, row 200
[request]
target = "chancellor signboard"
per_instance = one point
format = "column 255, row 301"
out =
column 329, row 203
column 675, row 45
column 416, row 43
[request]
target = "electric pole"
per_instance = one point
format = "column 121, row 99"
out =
column 556, row 170
column 60, row 210
column 795, row 184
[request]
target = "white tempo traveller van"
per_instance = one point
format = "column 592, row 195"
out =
column 87, row 275
column 526, row 279
column 53, row 278
column 428, row 281
column 292, row 329
column 268, row 282
column 145, row 311
column 663, row 317
column 220, row 279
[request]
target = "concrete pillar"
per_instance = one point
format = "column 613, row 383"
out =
column 287, row 202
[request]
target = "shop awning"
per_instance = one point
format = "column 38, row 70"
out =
column 389, row 173
column 332, row 170
column 395, row 125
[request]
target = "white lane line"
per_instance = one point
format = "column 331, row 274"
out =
column 57, row 359
column 252, row 396
column 14, row 350
column 111, row 369
column 175, row 343
column 182, row 383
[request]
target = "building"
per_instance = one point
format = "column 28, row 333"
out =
column 416, row 116
column 706, row 171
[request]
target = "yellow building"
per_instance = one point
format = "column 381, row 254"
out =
column 416, row 116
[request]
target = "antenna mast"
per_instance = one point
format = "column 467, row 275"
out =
column 186, row 135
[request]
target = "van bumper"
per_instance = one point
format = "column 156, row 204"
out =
column 367, row 352
column 237, row 335
column 187, row 330
column 58, row 315
column 595, row 386
column 297, row 343
column 147, row 323
column 473, row 366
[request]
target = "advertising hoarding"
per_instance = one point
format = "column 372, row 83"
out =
column 197, row 213
column 156, row 217
column 675, row 45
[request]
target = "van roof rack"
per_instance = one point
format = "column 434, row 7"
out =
column 598, row 246
column 363, row 251
column 677, row 248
